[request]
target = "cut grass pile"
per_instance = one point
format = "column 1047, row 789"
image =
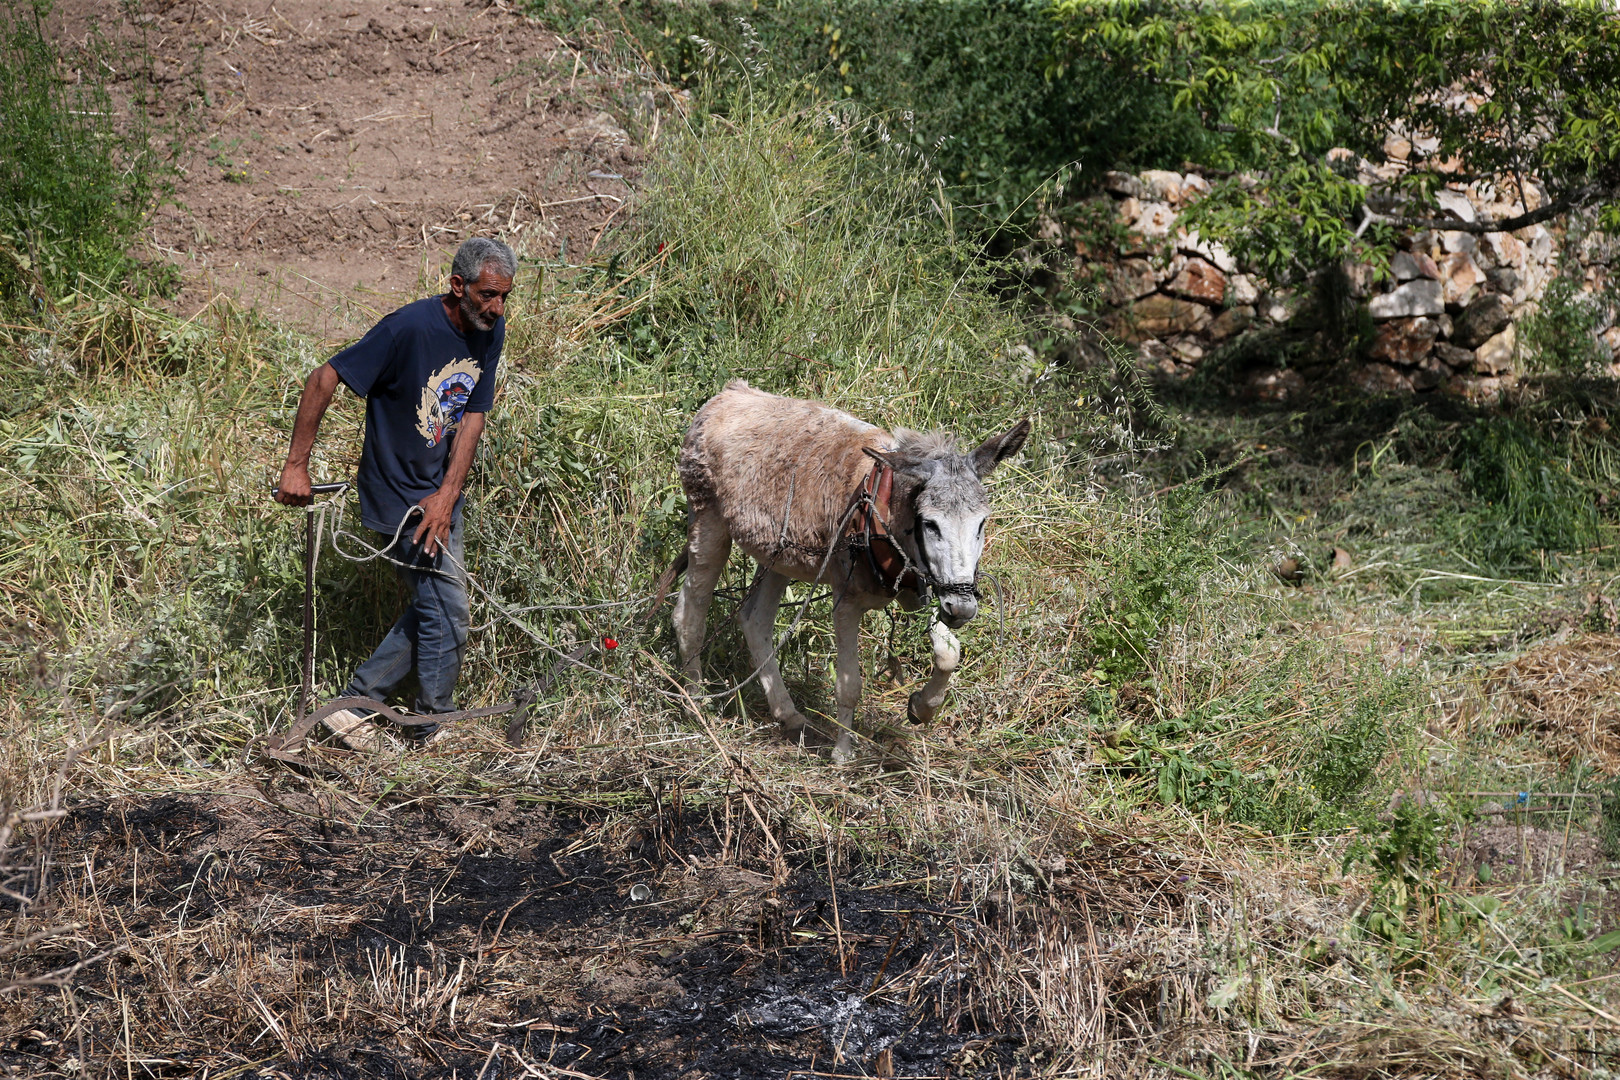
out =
column 1158, row 829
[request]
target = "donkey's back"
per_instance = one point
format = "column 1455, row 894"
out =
column 778, row 470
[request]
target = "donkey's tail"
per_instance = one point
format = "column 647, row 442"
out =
column 665, row 580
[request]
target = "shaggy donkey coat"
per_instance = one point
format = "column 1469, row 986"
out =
column 777, row 476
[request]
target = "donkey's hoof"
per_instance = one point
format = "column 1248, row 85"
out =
column 793, row 725
column 843, row 753
column 918, row 712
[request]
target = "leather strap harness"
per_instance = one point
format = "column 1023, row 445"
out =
column 869, row 530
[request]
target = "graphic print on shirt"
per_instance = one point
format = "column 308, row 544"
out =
column 444, row 398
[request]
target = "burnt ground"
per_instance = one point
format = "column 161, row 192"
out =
column 329, row 157
column 504, row 940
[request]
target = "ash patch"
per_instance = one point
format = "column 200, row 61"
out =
column 483, row 940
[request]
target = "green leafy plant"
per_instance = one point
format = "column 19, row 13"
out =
column 77, row 174
column 1532, row 500
column 1498, row 90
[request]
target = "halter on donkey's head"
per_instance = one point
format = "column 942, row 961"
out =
column 930, row 462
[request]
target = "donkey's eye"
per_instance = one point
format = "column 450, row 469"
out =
column 931, row 525
column 981, row 526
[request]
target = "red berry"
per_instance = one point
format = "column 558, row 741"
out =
column 610, row 643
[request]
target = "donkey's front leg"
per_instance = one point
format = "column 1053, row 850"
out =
column 847, row 629
column 759, row 627
column 947, row 655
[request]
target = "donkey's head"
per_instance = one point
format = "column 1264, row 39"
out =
column 940, row 509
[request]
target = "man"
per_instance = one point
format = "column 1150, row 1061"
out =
column 427, row 372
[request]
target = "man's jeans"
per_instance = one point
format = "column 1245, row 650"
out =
column 432, row 633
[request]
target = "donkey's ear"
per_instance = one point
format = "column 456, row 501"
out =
column 903, row 462
column 996, row 449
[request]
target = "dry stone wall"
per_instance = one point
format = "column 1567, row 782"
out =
column 1448, row 316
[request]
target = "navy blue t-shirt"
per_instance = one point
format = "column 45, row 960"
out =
column 418, row 374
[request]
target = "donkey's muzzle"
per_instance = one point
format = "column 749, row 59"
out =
column 957, row 607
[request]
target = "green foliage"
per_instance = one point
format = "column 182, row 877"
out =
column 1532, row 501
column 1155, row 572
column 1341, row 728
column 76, row 173
column 973, row 86
column 1562, row 334
column 1507, row 88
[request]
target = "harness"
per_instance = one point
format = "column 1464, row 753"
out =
column 891, row 568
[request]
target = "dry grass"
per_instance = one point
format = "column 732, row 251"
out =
column 1567, row 692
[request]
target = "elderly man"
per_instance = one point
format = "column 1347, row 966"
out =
column 427, row 372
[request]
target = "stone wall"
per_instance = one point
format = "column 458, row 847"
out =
column 1447, row 318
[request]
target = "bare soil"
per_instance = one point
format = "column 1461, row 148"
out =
column 333, row 155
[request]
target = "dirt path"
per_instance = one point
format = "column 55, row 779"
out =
column 341, row 151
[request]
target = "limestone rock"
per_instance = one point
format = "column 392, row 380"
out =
column 1397, row 148
column 1189, row 242
column 1129, row 209
column 1504, row 279
column 1242, row 289
column 1454, row 242
column 1476, row 388
column 1495, row 356
column 1123, row 183
column 1128, row 281
column 1455, row 203
column 1155, row 220
column 1276, row 384
column 1482, row 319
column 1443, row 321
column 1420, row 296
column 1194, row 187
column 1235, row 320
column 1431, row 374
column 1454, row 356
column 1404, row 341
column 1161, row 315
column 1611, row 338
column 1162, row 185
column 1460, row 278
column 1380, row 379
column 1198, row 280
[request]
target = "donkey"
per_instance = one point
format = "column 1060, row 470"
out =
column 815, row 495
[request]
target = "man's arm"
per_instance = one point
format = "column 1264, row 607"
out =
column 293, row 490
column 436, row 508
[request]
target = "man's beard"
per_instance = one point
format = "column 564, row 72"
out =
column 471, row 316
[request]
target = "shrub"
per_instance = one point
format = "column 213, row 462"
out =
column 76, row 174
column 973, row 85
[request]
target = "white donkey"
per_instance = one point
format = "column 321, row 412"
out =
column 813, row 494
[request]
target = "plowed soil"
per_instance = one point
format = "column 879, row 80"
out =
column 333, row 154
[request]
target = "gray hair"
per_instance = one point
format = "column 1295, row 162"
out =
column 478, row 252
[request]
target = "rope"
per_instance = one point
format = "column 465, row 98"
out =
column 511, row 614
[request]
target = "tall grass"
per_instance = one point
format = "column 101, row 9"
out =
column 77, row 172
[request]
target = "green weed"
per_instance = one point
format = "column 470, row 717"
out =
column 77, row 173
column 1532, row 501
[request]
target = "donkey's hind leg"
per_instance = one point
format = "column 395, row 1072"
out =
column 759, row 627
column 708, row 546
column 947, row 655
